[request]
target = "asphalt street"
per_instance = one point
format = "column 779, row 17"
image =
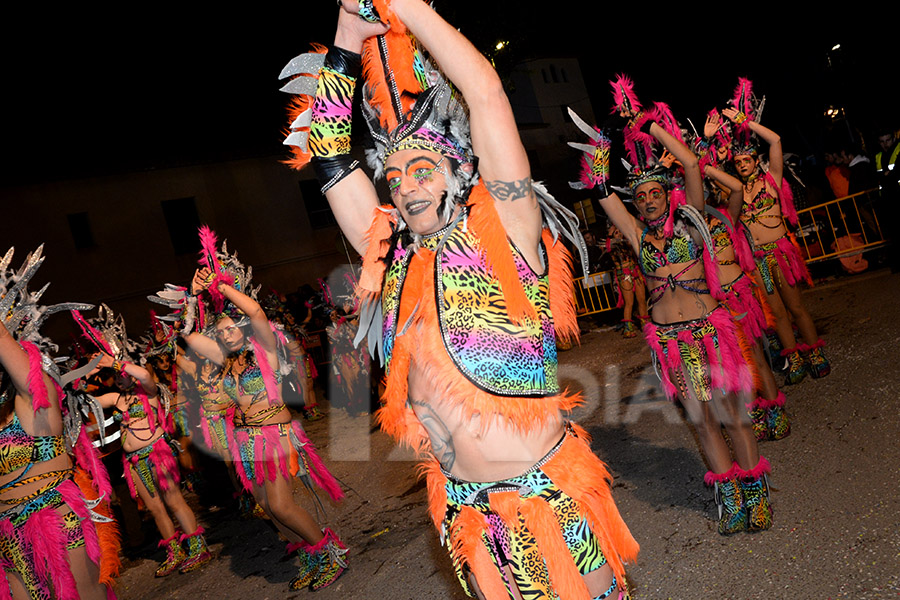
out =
column 834, row 480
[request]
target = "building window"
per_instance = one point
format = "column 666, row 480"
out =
column 183, row 223
column 80, row 228
column 317, row 209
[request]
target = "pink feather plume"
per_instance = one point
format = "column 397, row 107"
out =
column 91, row 333
column 208, row 245
column 623, row 94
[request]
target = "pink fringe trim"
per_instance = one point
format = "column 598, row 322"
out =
column 88, row 458
column 762, row 467
column 764, row 404
column 71, row 495
column 271, row 459
column 317, row 469
column 663, row 116
column 677, row 197
column 217, row 297
column 184, row 536
column 45, row 535
column 727, row 368
column 789, row 261
column 712, row 478
column 164, row 461
column 735, row 370
column 809, row 347
column 786, row 199
column 86, row 327
column 741, row 300
column 268, row 374
column 37, row 387
column 711, row 272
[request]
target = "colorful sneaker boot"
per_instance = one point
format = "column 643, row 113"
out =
column 730, row 501
column 755, row 488
column 797, row 369
column 198, row 553
column 309, row 565
column 334, row 561
column 818, row 364
column 759, row 419
column 312, row 413
column 774, row 346
column 248, row 507
column 630, row 330
column 174, row 556
column 778, row 424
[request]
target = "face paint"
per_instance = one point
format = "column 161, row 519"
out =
column 422, row 171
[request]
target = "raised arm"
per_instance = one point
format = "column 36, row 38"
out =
column 623, row 220
column 205, row 346
column 353, row 198
column 503, row 163
column 693, row 181
column 15, row 361
column 262, row 331
column 137, row 372
column 776, row 157
column 735, row 190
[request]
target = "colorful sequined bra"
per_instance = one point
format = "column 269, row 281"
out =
column 486, row 346
column 755, row 210
column 22, row 451
column 722, row 238
column 249, row 382
column 209, row 388
column 677, row 250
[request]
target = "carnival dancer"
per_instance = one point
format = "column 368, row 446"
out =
column 738, row 276
column 464, row 294
column 53, row 488
column 350, row 363
column 693, row 338
column 164, row 359
column 150, row 454
column 768, row 201
column 629, row 280
column 304, row 368
column 268, row 447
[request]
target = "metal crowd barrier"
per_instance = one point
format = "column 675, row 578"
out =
column 840, row 227
column 595, row 293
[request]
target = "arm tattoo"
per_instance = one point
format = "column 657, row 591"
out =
column 509, row 190
column 441, row 440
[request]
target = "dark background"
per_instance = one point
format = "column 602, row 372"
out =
column 89, row 91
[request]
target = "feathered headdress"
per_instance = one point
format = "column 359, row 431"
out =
column 743, row 100
column 408, row 103
column 226, row 267
column 642, row 165
column 159, row 339
column 107, row 333
column 19, row 308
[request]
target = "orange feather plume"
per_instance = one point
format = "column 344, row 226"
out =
column 378, row 244
column 401, row 54
column 299, row 104
column 486, row 224
column 562, row 293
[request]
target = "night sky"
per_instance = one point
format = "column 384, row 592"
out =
column 95, row 93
